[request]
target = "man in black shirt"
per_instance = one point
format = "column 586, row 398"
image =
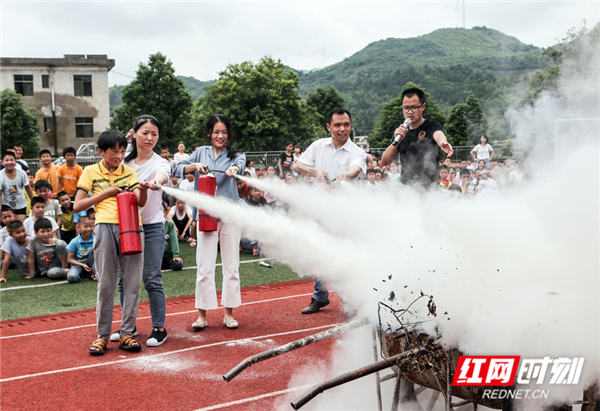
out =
column 419, row 145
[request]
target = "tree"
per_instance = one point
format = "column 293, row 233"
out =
column 262, row 103
column 325, row 100
column 158, row 92
column 476, row 121
column 19, row 124
column 392, row 116
column 456, row 127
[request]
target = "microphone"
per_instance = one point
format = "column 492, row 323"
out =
column 397, row 139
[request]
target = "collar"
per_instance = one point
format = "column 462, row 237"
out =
column 344, row 147
column 104, row 170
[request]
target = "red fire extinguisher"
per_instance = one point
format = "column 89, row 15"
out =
column 129, row 223
column 207, row 184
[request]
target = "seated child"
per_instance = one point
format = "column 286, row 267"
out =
column 38, row 209
column 15, row 250
column 256, row 199
column 7, row 216
column 445, row 183
column 81, row 252
column 171, row 259
column 243, row 189
column 47, row 255
column 67, row 227
column 181, row 216
column 44, row 190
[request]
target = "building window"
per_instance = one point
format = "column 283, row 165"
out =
column 47, row 123
column 45, row 81
column 84, row 127
column 24, row 84
column 83, row 85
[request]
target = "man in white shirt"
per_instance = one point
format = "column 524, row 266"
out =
column 328, row 159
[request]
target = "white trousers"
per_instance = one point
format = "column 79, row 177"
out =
column 228, row 236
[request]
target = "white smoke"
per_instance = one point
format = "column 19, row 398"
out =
column 512, row 272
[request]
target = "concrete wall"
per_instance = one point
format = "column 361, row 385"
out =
column 69, row 105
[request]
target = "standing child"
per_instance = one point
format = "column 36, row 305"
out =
column 48, row 171
column 38, row 211
column 15, row 250
column 81, row 252
column 67, row 225
column 69, row 173
column 53, row 211
column 105, row 180
column 47, row 255
column 285, row 160
column 12, row 183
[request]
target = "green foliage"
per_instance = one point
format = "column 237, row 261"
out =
column 195, row 87
column 456, row 127
column 262, row 103
column 325, row 100
column 392, row 116
column 19, row 124
column 115, row 98
column 476, row 121
column 158, row 92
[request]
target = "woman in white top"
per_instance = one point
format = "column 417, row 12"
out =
column 484, row 151
column 154, row 169
column 180, row 155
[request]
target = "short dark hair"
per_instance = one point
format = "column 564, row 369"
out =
column 165, row 147
column 464, row 171
column 13, row 226
column 288, row 143
column 443, row 167
column 69, row 150
column 6, row 208
column 338, row 111
column 83, row 219
column 41, row 184
column 370, row 171
column 9, row 153
column 42, row 223
column 37, row 199
column 248, row 161
column 89, row 212
column 455, row 187
column 62, row 193
column 412, row 92
column 45, row 151
column 111, row 139
column 17, row 145
column 253, row 188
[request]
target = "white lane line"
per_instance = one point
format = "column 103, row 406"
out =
column 145, row 318
column 33, row 286
column 258, row 397
column 65, row 282
column 241, row 340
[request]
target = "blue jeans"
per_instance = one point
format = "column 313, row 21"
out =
column 154, row 248
column 321, row 294
column 76, row 272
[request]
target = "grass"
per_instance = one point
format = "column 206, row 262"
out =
column 61, row 298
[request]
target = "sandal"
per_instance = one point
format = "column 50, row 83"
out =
column 100, row 344
column 93, row 277
column 193, row 244
column 128, row 343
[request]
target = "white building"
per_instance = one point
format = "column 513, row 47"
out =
column 71, row 93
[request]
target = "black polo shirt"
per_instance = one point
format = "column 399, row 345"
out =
column 420, row 155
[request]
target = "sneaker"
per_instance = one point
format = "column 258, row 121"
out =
column 314, row 306
column 157, row 338
column 116, row 336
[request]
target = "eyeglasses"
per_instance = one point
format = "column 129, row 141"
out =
column 411, row 108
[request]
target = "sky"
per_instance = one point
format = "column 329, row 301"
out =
column 202, row 38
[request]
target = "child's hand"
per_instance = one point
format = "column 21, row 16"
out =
column 86, row 268
column 179, row 260
column 3, row 280
column 113, row 191
column 181, row 236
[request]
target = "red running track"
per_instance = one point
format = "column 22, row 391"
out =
column 46, row 366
